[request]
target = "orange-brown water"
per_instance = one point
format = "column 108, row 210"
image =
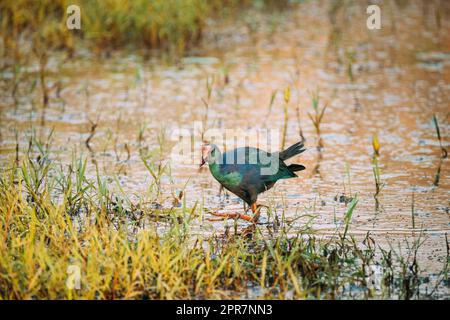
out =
column 400, row 78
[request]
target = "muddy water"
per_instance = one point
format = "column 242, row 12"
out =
column 399, row 78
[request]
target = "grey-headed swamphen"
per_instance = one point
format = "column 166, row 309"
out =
column 248, row 171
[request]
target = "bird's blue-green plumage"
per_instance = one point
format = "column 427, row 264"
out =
column 246, row 171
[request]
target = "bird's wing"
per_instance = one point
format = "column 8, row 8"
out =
column 246, row 155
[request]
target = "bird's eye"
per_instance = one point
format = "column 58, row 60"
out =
column 213, row 151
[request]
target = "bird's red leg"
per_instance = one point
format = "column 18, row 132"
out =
column 223, row 216
column 256, row 212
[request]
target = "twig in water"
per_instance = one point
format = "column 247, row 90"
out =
column 412, row 211
column 444, row 153
column 91, row 134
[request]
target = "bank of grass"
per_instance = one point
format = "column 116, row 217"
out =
column 55, row 221
column 173, row 25
column 104, row 24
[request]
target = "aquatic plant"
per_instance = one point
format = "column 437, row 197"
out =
column 438, row 134
column 207, row 104
column 317, row 117
column 269, row 107
column 444, row 153
column 412, row 211
column 375, row 166
column 350, row 57
column 349, row 213
column 287, row 97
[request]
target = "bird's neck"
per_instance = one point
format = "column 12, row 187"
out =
column 215, row 169
column 214, row 165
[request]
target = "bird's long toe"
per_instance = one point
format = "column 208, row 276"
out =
column 225, row 216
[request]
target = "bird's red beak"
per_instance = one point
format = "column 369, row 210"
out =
column 202, row 163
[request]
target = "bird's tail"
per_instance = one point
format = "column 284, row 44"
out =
column 296, row 167
column 293, row 150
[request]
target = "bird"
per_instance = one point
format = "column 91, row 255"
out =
column 247, row 172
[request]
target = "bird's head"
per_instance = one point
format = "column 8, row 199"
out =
column 210, row 154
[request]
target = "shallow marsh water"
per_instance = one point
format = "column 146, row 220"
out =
column 388, row 82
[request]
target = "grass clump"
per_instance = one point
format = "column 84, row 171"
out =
column 168, row 24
